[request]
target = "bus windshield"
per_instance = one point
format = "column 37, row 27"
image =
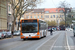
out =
column 29, row 27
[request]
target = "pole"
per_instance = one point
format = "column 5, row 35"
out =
column 65, row 16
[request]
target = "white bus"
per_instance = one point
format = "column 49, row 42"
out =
column 33, row 28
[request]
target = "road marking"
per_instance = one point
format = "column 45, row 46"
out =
column 54, row 43
column 67, row 42
column 45, row 42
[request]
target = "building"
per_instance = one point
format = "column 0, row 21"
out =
column 3, row 14
column 34, row 14
column 54, row 14
column 10, row 17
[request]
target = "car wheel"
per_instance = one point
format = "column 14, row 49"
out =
column 74, row 35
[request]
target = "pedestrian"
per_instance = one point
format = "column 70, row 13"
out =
column 12, row 33
column 51, row 31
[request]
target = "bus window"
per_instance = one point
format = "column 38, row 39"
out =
column 29, row 27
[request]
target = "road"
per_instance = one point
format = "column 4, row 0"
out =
column 60, row 40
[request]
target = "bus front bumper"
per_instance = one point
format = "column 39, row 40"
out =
column 22, row 37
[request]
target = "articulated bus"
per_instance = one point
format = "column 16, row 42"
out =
column 33, row 28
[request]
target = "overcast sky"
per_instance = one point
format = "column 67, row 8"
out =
column 55, row 3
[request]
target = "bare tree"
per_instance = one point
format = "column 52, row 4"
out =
column 64, row 5
column 20, row 7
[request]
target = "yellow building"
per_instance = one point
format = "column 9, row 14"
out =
column 3, row 14
column 34, row 14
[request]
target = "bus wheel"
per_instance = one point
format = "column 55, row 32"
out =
column 45, row 36
column 74, row 35
column 24, row 39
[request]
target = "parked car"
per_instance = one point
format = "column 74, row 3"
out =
column 5, row 34
column 57, row 28
column 1, row 35
column 16, row 33
column 62, row 28
column 68, row 29
column 9, row 33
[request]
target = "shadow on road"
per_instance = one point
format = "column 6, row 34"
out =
column 32, row 39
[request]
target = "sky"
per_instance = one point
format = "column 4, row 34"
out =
column 55, row 3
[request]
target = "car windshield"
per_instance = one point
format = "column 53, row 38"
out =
column 29, row 27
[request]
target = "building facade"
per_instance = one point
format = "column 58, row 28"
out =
column 10, row 17
column 54, row 14
column 3, row 14
column 34, row 14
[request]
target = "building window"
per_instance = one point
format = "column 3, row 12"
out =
column 46, row 11
column 46, row 16
column 9, row 7
column 60, row 16
column 34, row 16
column 31, row 16
column 57, row 16
column 61, row 10
column 41, row 16
column 51, row 16
column 54, row 16
column 38, row 16
column 57, row 21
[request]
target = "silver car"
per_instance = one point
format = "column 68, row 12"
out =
column 9, row 33
column 5, row 34
column 1, row 35
column 16, row 33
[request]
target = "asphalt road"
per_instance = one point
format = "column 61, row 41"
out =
column 60, row 40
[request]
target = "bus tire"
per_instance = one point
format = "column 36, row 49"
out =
column 74, row 35
column 24, row 39
column 45, row 36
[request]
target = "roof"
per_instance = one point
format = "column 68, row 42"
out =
column 36, row 10
column 54, row 9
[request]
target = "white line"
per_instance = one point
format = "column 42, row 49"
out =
column 44, row 42
column 54, row 43
column 67, row 42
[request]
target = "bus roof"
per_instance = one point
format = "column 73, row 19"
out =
column 31, row 19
